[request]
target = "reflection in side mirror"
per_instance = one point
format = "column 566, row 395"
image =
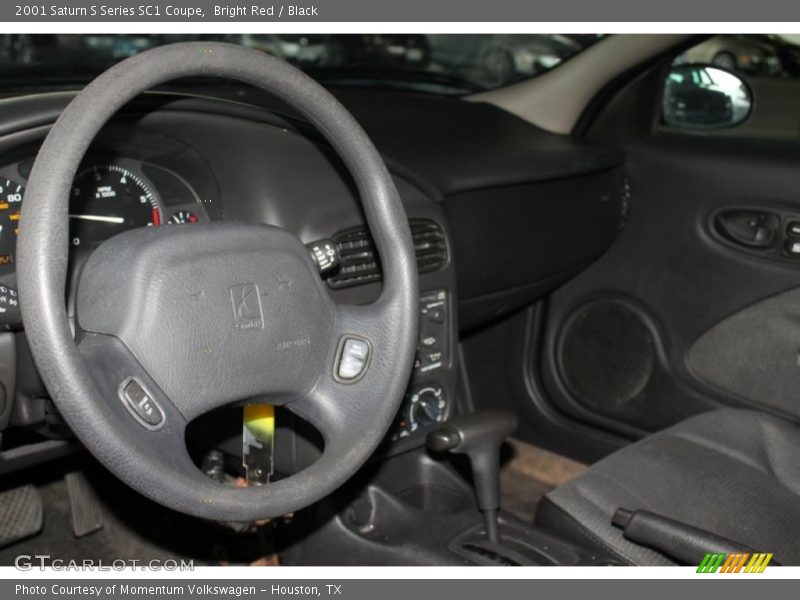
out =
column 705, row 97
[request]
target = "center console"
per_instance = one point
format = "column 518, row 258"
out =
column 431, row 396
column 418, row 508
column 416, row 502
column 427, row 401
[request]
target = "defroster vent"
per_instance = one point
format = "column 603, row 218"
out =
column 359, row 264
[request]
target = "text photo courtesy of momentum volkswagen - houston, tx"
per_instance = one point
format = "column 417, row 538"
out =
column 356, row 299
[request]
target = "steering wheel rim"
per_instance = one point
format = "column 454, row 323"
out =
column 84, row 379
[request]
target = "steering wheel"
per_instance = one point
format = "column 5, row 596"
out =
column 173, row 322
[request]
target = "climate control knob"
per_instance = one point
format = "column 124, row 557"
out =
column 424, row 407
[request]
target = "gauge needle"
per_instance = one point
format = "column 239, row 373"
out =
column 102, row 218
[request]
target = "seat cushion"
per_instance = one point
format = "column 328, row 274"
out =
column 735, row 473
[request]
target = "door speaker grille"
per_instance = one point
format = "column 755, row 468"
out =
column 607, row 355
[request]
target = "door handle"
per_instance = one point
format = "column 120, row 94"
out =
column 751, row 228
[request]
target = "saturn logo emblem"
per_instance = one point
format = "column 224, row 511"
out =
column 247, row 312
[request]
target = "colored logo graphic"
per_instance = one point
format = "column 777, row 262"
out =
column 739, row 562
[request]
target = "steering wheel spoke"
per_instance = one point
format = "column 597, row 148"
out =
column 148, row 429
column 349, row 403
column 119, row 376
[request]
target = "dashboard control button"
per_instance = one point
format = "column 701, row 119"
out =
column 793, row 229
column 353, row 359
column 141, row 404
column 436, row 315
column 434, row 323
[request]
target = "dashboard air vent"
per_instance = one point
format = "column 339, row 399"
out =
column 357, row 252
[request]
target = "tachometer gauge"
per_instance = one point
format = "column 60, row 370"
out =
column 107, row 200
column 11, row 194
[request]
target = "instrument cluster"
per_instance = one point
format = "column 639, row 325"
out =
column 107, row 198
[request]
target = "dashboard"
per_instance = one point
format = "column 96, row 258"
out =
column 191, row 162
column 490, row 208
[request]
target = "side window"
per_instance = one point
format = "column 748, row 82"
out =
column 742, row 85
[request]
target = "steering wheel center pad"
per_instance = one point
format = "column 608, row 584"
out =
column 215, row 313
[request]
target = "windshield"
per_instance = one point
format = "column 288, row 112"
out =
column 446, row 64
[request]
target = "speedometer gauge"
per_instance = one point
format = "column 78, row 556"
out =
column 11, row 194
column 107, row 200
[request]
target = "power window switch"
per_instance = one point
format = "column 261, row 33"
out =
column 792, row 248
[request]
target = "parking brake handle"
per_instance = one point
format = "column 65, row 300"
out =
column 479, row 435
column 683, row 542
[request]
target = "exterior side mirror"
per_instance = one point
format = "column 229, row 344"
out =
column 705, row 97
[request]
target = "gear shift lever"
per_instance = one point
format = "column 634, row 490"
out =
column 479, row 436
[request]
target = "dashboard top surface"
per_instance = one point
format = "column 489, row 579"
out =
column 449, row 144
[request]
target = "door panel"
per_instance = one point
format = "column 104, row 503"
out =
column 754, row 353
column 700, row 305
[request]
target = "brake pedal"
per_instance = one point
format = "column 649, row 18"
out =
column 87, row 515
column 21, row 514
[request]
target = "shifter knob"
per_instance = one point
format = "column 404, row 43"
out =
column 479, row 436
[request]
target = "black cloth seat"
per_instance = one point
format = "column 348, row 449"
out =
column 735, row 473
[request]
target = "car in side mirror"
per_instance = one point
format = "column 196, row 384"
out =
column 705, row 97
